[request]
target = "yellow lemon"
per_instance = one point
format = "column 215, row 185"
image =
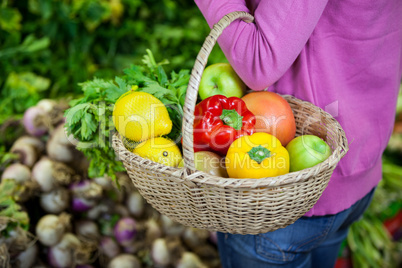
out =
column 159, row 150
column 139, row 116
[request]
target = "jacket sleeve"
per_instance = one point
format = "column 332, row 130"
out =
column 261, row 52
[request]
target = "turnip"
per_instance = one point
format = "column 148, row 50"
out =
column 125, row 231
column 105, row 182
column 170, row 227
column 86, row 189
column 190, row 260
column 153, row 230
column 4, row 256
column 34, row 121
column 124, row 261
column 208, row 254
column 54, row 110
column 18, row 172
column 27, row 258
column 50, row 174
column 87, row 230
column 109, row 247
column 98, row 210
column 63, row 174
column 59, row 147
column 27, row 154
column 167, row 251
column 85, row 195
column 16, row 239
column 135, row 204
column 35, row 142
column 160, row 253
column 79, row 204
column 51, row 228
column 194, row 237
column 46, row 105
column 55, row 201
column 42, row 173
column 68, row 252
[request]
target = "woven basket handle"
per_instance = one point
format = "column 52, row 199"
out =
column 195, row 78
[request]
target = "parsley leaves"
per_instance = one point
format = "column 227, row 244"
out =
column 89, row 119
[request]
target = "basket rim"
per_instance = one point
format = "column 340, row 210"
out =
column 201, row 178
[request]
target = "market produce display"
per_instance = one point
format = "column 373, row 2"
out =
column 61, row 207
column 52, row 215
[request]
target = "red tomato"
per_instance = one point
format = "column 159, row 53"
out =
column 273, row 115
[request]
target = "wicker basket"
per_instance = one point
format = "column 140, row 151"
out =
column 242, row 206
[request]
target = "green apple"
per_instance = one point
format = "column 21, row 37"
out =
column 307, row 151
column 221, row 79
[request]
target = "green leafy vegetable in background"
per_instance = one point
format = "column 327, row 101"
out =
column 21, row 91
column 71, row 41
column 6, row 158
column 68, row 42
column 10, row 211
column 89, row 119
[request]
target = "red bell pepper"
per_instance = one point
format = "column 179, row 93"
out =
column 219, row 121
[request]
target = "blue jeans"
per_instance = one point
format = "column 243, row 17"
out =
column 309, row 242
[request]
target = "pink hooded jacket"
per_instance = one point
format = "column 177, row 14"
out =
column 343, row 56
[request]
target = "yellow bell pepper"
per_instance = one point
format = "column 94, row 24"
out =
column 257, row 156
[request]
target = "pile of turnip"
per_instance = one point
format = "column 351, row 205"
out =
column 76, row 221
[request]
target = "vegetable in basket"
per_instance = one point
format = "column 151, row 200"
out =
column 273, row 115
column 219, row 121
column 257, row 156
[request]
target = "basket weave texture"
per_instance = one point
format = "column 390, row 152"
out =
column 239, row 206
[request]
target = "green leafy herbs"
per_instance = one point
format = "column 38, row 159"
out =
column 90, row 121
column 6, row 158
column 11, row 213
column 21, row 91
column 71, row 41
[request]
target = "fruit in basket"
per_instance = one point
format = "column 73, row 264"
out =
column 307, row 151
column 221, row 79
column 257, row 156
column 210, row 163
column 160, row 150
column 273, row 115
column 219, row 121
column 139, row 116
